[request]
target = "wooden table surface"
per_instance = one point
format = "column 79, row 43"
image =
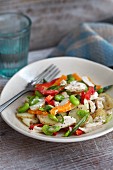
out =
column 18, row 152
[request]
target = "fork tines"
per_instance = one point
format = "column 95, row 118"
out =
column 49, row 73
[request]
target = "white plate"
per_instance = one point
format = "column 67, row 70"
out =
column 98, row 73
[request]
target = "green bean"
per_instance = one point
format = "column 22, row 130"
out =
column 33, row 100
column 109, row 117
column 69, row 93
column 23, row 108
column 53, row 117
column 59, row 97
column 107, row 88
column 57, row 118
column 45, row 130
column 86, row 88
column 60, row 118
column 46, row 108
column 78, row 97
column 95, row 87
column 28, row 97
column 42, row 108
column 54, row 87
column 70, row 78
column 104, row 89
column 37, row 93
column 100, row 90
column 49, row 130
column 82, row 113
column 67, row 133
column 74, row 100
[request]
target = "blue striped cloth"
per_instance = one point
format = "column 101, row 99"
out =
column 92, row 41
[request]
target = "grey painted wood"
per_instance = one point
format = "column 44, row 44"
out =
column 52, row 19
column 18, row 152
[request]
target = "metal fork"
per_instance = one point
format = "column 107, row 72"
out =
column 49, row 73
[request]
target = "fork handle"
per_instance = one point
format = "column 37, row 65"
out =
column 6, row 104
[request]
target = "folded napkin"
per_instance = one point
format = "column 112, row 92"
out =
column 92, row 41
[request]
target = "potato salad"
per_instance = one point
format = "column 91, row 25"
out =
column 68, row 105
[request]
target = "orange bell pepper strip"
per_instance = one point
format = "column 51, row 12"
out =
column 77, row 77
column 37, row 112
column 59, row 109
column 57, row 82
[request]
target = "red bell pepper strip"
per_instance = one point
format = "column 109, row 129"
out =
column 43, row 88
column 91, row 90
column 51, row 92
column 38, row 125
column 55, row 133
column 49, row 98
column 87, row 95
column 48, row 84
column 52, row 102
column 78, row 132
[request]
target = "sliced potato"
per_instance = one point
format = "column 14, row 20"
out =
column 35, row 120
column 46, row 120
column 73, row 113
column 25, row 115
column 64, row 101
column 28, row 121
column 37, row 129
column 68, row 121
column 108, row 103
column 82, row 107
column 89, row 120
column 109, row 112
column 100, row 115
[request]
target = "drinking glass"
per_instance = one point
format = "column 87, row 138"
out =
column 14, row 42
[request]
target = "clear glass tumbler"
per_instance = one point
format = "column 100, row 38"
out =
column 14, row 42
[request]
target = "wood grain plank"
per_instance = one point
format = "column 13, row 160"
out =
column 53, row 19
